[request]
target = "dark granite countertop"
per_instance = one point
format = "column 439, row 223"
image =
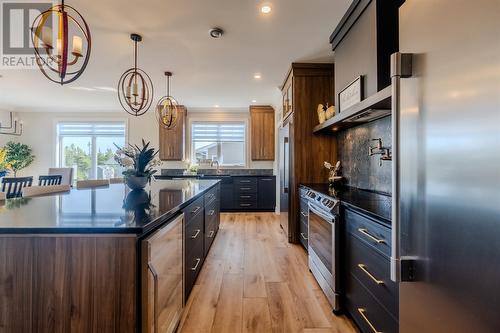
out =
column 178, row 173
column 110, row 209
column 374, row 204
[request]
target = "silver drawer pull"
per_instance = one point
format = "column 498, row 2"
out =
column 367, row 234
column 266, row 179
column 211, row 212
column 245, row 205
column 370, row 275
column 245, row 188
column 196, row 234
column 362, row 313
column 245, row 196
column 194, row 211
column 303, row 236
column 197, row 263
column 303, row 214
column 244, row 181
column 211, row 234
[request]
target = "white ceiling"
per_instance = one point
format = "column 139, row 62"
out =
column 175, row 37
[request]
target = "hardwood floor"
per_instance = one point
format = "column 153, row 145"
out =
column 253, row 280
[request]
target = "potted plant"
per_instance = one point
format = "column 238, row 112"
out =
column 18, row 156
column 139, row 163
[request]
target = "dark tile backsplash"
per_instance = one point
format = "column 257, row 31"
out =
column 359, row 169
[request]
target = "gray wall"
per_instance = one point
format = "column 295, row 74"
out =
column 359, row 169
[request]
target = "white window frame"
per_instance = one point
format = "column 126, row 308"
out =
column 57, row 153
column 236, row 117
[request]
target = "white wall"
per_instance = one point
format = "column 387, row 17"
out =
column 40, row 134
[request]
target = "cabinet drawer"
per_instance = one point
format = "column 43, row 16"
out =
column 211, row 196
column 304, row 211
column 250, row 181
column 368, row 314
column 193, row 263
column 193, row 234
column 246, row 197
column 373, row 271
column 210, row 232
column 191, row 211
column 369, row 231
column 242, row 188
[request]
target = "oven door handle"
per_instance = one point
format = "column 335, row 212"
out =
column 330, row 219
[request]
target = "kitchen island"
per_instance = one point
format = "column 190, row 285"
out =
column 105, row 259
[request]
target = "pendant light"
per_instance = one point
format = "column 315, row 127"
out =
column 135, row 88
column 55, row 61
column 167, row 107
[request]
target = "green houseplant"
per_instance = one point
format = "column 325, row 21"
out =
column 139, row 163
column 18, row 156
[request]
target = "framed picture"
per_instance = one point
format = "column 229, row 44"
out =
column 351, row 94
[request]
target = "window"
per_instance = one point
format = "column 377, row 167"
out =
column 219, row 141
column 88, row 148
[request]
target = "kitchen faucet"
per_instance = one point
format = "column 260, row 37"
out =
column 217, row 164
column 379, row 149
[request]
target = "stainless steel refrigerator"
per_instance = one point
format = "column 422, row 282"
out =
column 446, row 185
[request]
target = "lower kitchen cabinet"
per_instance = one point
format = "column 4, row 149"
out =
column 371, row 296
column 201, row 227
column 256, row 193
column 161, row 281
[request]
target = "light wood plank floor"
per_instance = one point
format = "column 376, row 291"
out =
column 253, row 280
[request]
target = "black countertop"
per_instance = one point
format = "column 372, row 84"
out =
column 110, row 209
column 374, row 204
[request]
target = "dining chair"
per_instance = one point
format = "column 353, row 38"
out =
column 66, row 173
column 13, row 186
column 118, row 180
column 92, row 183
column 49, row 180
column 35, row 191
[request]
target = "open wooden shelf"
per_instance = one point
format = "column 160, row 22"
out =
column 371, row 108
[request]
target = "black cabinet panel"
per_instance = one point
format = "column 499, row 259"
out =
column 192, row 266
column 369, row 231
column 267, row 193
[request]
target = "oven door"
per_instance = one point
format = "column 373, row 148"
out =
column 322, row 242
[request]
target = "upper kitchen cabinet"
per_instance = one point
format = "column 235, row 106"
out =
column 172, row 140
column 262, row 133
column 363, row 41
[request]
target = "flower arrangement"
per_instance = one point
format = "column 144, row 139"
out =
column 139, row 163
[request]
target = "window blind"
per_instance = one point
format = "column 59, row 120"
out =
column 218, row 132
column 93, row 128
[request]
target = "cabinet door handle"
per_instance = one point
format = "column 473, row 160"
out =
column 245, row 188
column 245, row 205
column 370, row 275
column 245, row 196
column 303, row 214
column 266, row 179
column 362, row 313
column 211, row 212
column 196, row 234
column 197, row 263
column 211, row 234
column 303, row 236
column 244, row 181
column 194, row 211
column 373, row 238
column 155, row 294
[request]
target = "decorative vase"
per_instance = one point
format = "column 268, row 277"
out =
column 136, row 183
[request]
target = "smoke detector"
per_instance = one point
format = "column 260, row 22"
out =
column 216, row 32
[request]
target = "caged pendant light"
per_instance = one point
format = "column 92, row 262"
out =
column 135, row 88
column 55, row 61
column 167, row 107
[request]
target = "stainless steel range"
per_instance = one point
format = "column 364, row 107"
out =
column 323, row 243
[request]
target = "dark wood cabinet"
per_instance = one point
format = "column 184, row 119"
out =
column 267, row 193
column 371, row 296
column 172, row 141
column 303, row 153
column 262, row 140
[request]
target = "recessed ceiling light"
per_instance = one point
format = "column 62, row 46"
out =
column 257, row 76
column 216, row 32
column 254, row 101
column 266, row 9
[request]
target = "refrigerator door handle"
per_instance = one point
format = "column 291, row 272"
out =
column 401, row 67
